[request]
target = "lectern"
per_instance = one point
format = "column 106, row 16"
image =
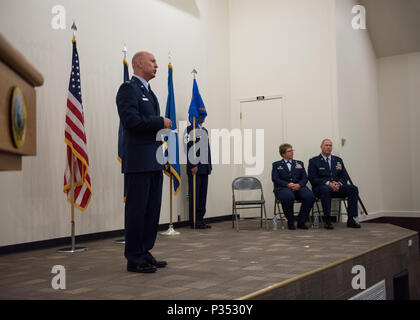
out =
column 18, row 79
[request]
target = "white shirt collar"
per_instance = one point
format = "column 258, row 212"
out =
column 145, row 83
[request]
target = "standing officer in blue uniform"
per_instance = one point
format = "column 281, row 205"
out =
column 139, row 112
column 290, row 179
column 201, row 170
column 329, row 178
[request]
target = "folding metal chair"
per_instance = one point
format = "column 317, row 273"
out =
column 242, row 184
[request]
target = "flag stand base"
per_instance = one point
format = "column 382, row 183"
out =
column 72, row 250
column 120, row 241
column 170, row 232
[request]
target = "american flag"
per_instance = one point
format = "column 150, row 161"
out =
column 75, row 138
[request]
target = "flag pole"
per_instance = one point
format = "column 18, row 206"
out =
column 171, row 231
column 194, row 72
column 73, row 240
column 124, row 50
column 194, row 177
column 73, row 247
column 170, row 199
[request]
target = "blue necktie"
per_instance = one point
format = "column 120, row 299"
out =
column 328, row 163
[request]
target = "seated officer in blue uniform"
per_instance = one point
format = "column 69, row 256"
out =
column 329, row 178
column 290, row 179
column 201, row 170
column 139, row 113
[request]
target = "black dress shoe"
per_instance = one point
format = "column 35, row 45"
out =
column 351, row 223
column 291, row 227
column 159, row 264
column 302, row 225
column 142, row 268
column 207, row 226
column 328, row 226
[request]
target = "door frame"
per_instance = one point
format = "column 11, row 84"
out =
column 237, row 119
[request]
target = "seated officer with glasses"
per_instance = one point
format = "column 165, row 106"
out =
column 290, row 179
column 329, row 177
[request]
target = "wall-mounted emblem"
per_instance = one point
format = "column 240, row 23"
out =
column 18, row 117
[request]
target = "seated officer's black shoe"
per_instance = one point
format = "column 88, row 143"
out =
column 302, row 225
column 351, row 223
column 291, row 227
column 328, row 224
column 142, row 268
column 159, row 264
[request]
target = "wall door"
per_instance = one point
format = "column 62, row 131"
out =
column 264, row 114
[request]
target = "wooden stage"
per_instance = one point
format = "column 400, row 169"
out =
column 223, row 264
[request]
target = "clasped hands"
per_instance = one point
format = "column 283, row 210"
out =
column 294, row 186
column 335, row 186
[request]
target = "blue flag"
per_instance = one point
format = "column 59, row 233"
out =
column 173, row 166
column 197, row 108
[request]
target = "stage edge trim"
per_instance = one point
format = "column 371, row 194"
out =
column 309, row 273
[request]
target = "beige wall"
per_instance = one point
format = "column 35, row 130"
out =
column 303, row 50
column 358, row 108
column 281, row 47
column 399, row 96
column 32, row 202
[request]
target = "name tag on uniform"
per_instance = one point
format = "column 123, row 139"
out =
column 321, row 168
column 280, row 168
column 145, row 99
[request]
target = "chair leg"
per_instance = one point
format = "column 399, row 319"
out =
column 312, row 215
column 236, row 219
column 321, row 218
column 233, row 216
column 339, row 212
column 281, row 214
column 265, row 217
column 275, row 211
column 261, row 215
column 345, row 205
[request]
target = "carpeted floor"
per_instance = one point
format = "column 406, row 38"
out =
column 217, row 263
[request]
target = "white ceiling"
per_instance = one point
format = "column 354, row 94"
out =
column 393, row 25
